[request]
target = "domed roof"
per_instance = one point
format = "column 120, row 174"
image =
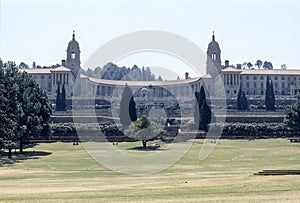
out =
column 73, row 44
column 213, row 44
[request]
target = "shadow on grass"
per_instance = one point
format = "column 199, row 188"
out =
column 16, row 158
column 149, row 148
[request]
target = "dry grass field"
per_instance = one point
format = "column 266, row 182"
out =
column 62, row 172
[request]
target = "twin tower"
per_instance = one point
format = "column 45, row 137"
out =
column 213, row 63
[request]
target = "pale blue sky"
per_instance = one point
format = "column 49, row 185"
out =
column 39, row 30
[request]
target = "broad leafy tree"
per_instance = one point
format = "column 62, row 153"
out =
column 292, row 115
column 144, row 129
column 258, row 63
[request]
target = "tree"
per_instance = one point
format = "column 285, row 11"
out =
column 249, row 65
column 63, row 99
column 202, row 113
column 268, row 65
column 10, row 117
column 127, row 107
column 205, row 115
column 292, row 115
column 269, row 96
column 283, row 67
column 144, row 129
column 244, row 65
column 24, row 108
column 36, row 109
column 258, row 63
column 58, row 99
column 242, row 103
column 23, row 65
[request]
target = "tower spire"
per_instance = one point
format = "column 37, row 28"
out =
column 73, row 36
column 213, row 36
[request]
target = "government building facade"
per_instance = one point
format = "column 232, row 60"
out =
column 224, row 78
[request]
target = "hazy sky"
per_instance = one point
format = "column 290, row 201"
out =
column 39, row 30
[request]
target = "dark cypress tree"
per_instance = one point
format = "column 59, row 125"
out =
column 239, row 99
column 202, row 113
column 127, row 107
column 58, row 99
column 205, row 116
column 132, row 109
column 197, row 110
column 244, row 102
column 270, row 96
column 63, row 99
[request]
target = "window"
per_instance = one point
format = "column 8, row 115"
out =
column 262, row 85
column 282, row 78
column 42, row 77
column 254, row 84
column 261, row 77
column 276, row 85
column 276, row 78
column 282, row 92
column 247, row 77
column 295, row 78
column 254, row 78
column 234, row 91
column 262, row 92
column 247, row 85
column 282, row 85
column 228, row 91
column 214, row 56
column 73, row 55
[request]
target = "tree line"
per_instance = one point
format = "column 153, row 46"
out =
column 24, row 108
column 111, row 71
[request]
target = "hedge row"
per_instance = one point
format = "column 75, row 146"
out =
column 227, row 130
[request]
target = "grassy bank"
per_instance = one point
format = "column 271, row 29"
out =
column 62, row 172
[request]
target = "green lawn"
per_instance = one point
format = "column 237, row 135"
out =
column 62, row 172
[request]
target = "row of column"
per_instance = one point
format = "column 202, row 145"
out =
column 231, row 79
column 61, row 78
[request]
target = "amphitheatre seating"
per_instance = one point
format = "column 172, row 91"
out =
column 278, row 172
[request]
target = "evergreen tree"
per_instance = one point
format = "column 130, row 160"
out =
column 36, row 109
column 63, row 99
column 205, row 116
column 132, row 109
column 13, row 109
column 127, row 107
column 242, row 103
column 202, row 113
column 24, row 108
column 270, row 96
column 58, row 99
column 239, row 99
